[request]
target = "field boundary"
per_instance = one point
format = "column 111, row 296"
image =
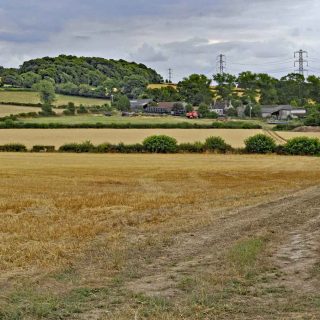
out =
column 98, row 125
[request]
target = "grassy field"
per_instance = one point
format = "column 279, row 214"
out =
column 33, row 97
column 120, row 237
column 7, row 110
column 94, row 118
column 57, row 137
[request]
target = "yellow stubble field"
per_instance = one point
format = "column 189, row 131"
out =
column 98, row 234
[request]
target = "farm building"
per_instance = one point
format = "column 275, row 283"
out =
column 139, row 105
column 165, row 108
column 282, row 112
column 221, row 107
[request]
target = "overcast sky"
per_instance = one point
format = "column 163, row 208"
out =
column 186, row 35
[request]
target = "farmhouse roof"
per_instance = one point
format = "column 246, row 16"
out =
column 275, row 108
column 167, row 105
column 140, row 103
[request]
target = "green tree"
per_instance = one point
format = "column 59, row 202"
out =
column 226, row 85
column 28, row 79
column 255, row 111
column 313, row 83
column 71, row 109
column 178, row 108
column 248, row 81
column 267, row 89
column 189, row 108
column 133, row 86
column 196, row 89
column 168, row 94
column 313, row 117
column 293, row 87
column 47, row 94
column 203, row 110
column 122, row 103
column 67, row 88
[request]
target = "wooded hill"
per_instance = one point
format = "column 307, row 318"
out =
column 80, row 75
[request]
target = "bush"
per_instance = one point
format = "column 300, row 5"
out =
column 82, row 109
column 70, row 109
column 84, row 147
column 216, row 144
column 160, row 144
column 260, row 143
column 280, row 149
column 106, row 148
column 303, row 146
column 197, row 147
column 13, row 147
column 42, row 148
column 130, row 148
column 285, row 127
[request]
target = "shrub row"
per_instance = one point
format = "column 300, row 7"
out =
column 286, row 127
column 13, row 147
column 153, row 144
column 20, row 104
column 258, row 144
column 5, row 124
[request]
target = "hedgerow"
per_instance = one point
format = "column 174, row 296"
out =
column 14, row 124
column 13, row 147
column 164, row 144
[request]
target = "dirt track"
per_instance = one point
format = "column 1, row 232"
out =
column 292, row 222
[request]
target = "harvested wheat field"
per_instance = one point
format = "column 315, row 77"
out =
column 57, row 137
column 159, row 237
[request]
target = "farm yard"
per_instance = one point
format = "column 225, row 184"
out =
column 58, row 137
column 32, row 97
column 121, row 237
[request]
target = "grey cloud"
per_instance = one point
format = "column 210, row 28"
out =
column 147, row 53
column 185, row 35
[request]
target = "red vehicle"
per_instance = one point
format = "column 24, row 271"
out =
column 193, row 115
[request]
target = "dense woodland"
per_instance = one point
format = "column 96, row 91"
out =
column 83, row 76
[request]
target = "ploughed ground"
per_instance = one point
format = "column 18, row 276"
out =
column 159, row 237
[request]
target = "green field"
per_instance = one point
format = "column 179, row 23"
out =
column 7, row 110
column 12, row 96
column 94, row 118
column 117, row 119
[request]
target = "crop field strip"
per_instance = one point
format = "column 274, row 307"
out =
column 119, row 236
column 33, row 97
column 7, row 110
column 58, row 137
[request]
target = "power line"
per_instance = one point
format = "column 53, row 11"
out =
column 170, row 75
column 301, row 61
column 264, row 63
column 221, row 63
